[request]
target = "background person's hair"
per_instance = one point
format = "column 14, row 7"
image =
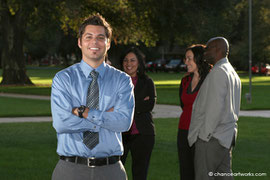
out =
column 97, row 20
column 141, row 58
column 203, row 66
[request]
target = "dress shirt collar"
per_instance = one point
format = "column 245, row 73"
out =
column 86, row 69
column 221, row 61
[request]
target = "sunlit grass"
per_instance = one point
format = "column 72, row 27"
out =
column 41, row 81
column 44, row 77
column 167, row 86
column 175, row 79
column 256, row 80
column 168, row 82
column 40, row 76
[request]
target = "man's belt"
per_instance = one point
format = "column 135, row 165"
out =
column 91, row 162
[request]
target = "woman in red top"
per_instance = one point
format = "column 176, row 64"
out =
column 189, row 88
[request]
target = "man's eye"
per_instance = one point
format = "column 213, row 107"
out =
column 101, row 38
column 88, row 37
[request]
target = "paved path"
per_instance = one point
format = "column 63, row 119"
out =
column 160, row 111
column 166, row 111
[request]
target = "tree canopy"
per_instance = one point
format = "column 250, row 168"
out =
column 40, row 27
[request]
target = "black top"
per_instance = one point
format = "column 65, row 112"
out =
column 143, row 109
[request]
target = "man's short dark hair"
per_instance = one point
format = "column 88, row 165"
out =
column 97, row 20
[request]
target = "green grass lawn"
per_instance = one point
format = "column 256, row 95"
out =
column 40, row 76
column 17, row 107
column 28, row 150
column 167, row 85
column 34, row 90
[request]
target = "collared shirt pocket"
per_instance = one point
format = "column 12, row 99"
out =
column 107, row 102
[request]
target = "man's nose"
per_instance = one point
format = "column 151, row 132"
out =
column 94, row 40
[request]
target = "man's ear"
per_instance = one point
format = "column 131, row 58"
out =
column 79, row 43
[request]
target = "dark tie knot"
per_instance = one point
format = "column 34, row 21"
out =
column 94, row 74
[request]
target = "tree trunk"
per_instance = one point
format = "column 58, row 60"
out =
column 13, row 61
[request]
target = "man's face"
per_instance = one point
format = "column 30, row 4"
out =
column 94, row 43
column 210, row 53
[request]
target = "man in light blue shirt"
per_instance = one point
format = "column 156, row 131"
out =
column 71, row 117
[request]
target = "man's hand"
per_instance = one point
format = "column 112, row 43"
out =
column 75, row 111
column 110, row 110
column 146, row 98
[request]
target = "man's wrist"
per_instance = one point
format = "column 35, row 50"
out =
column 81, row 110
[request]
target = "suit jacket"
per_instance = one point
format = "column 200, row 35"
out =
column 217, row 105
column 143, row 108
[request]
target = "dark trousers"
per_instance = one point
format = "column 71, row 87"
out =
column 141, row 147
column 185, row 155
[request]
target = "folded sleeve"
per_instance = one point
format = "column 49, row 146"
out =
column 121, row 118
column 61, row 107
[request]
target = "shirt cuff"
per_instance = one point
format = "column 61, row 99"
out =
column 94, row 116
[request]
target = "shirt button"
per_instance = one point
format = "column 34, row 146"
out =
column 94, row 126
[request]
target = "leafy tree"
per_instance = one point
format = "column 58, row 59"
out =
column 13, row 21
column 21, row 19
column 129, row 24
column 15, row 18
column 168, row 22
column 42, row 27
column 260, row 33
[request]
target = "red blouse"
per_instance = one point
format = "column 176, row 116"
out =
column 187, row 97
column 133, row 129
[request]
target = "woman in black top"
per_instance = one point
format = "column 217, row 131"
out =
column 140, row 139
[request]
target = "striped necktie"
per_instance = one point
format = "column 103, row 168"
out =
column 91, row 139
